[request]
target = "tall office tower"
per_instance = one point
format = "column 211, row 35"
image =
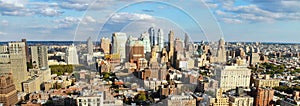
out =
column 5, row 63
column 171, row 45
column 152, row 36
column 221, row 53
column 160, row 39
column 186, row 40
column 8, row 92
column 263, row 97
column 118, row 44
column 230, row 77
column 179, row 47
column 71, row 55
column 147, row 45
column 136, row 51
column 17, row 52
column 90, row 45
column 39, row 56
column 26, row 50
column 105, row 45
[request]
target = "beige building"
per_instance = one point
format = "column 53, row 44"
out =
column 105, row 45
column 17, row 52
column 241, row 101
column 180, row 100
column 266, row 82
column 91, row 100
column 8, row 93
column 32, row 85
column 230, row 77
column 219, row 99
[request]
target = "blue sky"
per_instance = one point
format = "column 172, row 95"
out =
column 235, row 20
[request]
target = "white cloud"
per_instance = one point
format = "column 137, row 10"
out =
column 4, row 22
column 258, row 11
column 3, row 33
column 50, row 12
column 67, row 22
column 124, row 17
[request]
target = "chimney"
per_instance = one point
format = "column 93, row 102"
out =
column 267, row 76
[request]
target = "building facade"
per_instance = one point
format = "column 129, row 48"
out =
column 230, row 77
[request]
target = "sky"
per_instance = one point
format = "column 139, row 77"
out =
column 208, row 20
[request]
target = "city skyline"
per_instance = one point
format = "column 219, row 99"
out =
column 239, row 20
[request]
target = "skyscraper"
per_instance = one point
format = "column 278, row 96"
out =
column 8, row 92
column 105, row 45
column 186, row 40
column 17, row 52
column 90, row 45
column 71, row 55
column 147, row 45
column 118, row 44
column 152, row 36
column 171, row 46
column 39, row 56
column 26, row 50
column 160, row 39
column 221, row 53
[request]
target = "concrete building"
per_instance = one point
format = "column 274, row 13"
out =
column 180, row 100
column 160, row 39
column 230, row 77
column 240, row 98
column 266, row 82
column 17, row 53
column 90, row 45
column 221, row 52
column 39, row 56
column 145, row 38
column 171, row 47
column 91, row 100
column 71, row 55
column 8, row 92
column 219, row 99
column 152, row 36
column 32, row 85
column 105, row 45
column 263, row 97
column 118, row 45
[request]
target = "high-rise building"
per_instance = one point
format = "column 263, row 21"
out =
column 8, row 92
column 26, row 50
column 230, row 77
column 160, row 39
column 39, row 56
column 221, row 53
column 147, row 45
column 71, row 55
column 105, row 45
column 179, row 48
column 152, row 36
column 118, row 44
column 186, row 40
column 136, row 51
column 17, row 52
column 263, row 97
column 90, row 45
column 3, row 49
column 171, row 46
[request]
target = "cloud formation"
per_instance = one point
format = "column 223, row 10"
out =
column 251, row 11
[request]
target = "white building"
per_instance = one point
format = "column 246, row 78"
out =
column 118, row 44
column 90, row 100
column 230, row 77
column 71, row 55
